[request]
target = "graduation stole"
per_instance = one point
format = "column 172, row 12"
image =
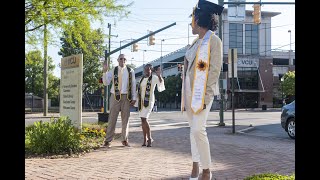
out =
column 147, row 93
column 201, row 69
column 117, row 93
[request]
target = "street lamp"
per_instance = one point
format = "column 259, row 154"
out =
column 143, row 58
column 289, row 31
column 282, row 79
column 161, row 56
column 123, row 41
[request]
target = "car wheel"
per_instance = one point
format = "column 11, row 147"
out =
column 291, row 128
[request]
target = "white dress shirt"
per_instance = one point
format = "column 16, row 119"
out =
column 108, row 77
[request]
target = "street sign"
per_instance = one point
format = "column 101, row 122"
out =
column 71, row 88
column 236, row 12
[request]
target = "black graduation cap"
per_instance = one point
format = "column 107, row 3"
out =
column 209, row 7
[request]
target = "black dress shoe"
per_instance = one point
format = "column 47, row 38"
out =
column 108, row 144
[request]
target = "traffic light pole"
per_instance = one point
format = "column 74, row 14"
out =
column 221, row 123
column 232, row 92
column 134, row 41
column 108, row 53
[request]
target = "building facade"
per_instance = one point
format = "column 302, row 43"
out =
column 258, row 67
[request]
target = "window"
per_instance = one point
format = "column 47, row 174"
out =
column 294, row 61
column 248, row 78
column 251, row 39
column 236, row 37
column 280, row 61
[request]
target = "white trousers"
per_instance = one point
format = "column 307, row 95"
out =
column 200, row 148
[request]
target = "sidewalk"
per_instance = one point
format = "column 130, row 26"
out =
column 234, row 156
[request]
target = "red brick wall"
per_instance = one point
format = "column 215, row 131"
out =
column 265, row 70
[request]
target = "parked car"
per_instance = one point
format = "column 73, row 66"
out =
column 288, row 119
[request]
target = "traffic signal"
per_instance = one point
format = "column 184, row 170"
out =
column 100, row 81
column 151, row 39
column 135, row 47
column 256, row 13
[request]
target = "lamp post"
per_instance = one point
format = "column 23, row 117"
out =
column 289, row 31
column 282, row 79
column 123, row 41
column 143, row 58
column 161, row 57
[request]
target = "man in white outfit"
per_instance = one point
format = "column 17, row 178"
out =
column 123, row 94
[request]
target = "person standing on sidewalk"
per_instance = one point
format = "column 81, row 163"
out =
column 146, row 99
column 203, row 60
column 123, row 94
column 155, row 108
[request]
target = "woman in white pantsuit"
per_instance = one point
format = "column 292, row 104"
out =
column 203, row 60
column 146, row 100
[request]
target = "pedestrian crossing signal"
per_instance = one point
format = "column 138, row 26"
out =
column 180, row 67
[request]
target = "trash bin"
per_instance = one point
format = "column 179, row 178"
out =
column 103, row 117
column 264, row 107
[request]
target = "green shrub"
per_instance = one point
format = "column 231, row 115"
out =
column 270, row 176
column 56, row 136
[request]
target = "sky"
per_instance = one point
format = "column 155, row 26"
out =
column 151, row 15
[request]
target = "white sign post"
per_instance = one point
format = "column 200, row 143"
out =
column 71, row 88
column 235, row 62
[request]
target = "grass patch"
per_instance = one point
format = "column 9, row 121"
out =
column 270, row 176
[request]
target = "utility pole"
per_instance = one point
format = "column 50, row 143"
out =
column 106, row 88
column 221, row 123
column 143, row 58
column 45, row 74
column 290, row 61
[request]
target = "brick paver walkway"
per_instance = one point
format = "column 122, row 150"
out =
column 234, row 156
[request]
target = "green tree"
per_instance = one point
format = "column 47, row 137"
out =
column 91, row 46
column 288, row 84
column 59, row 14
column 173, row 86
column 34, row 76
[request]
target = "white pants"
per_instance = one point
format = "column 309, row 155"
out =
column 200, row 148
